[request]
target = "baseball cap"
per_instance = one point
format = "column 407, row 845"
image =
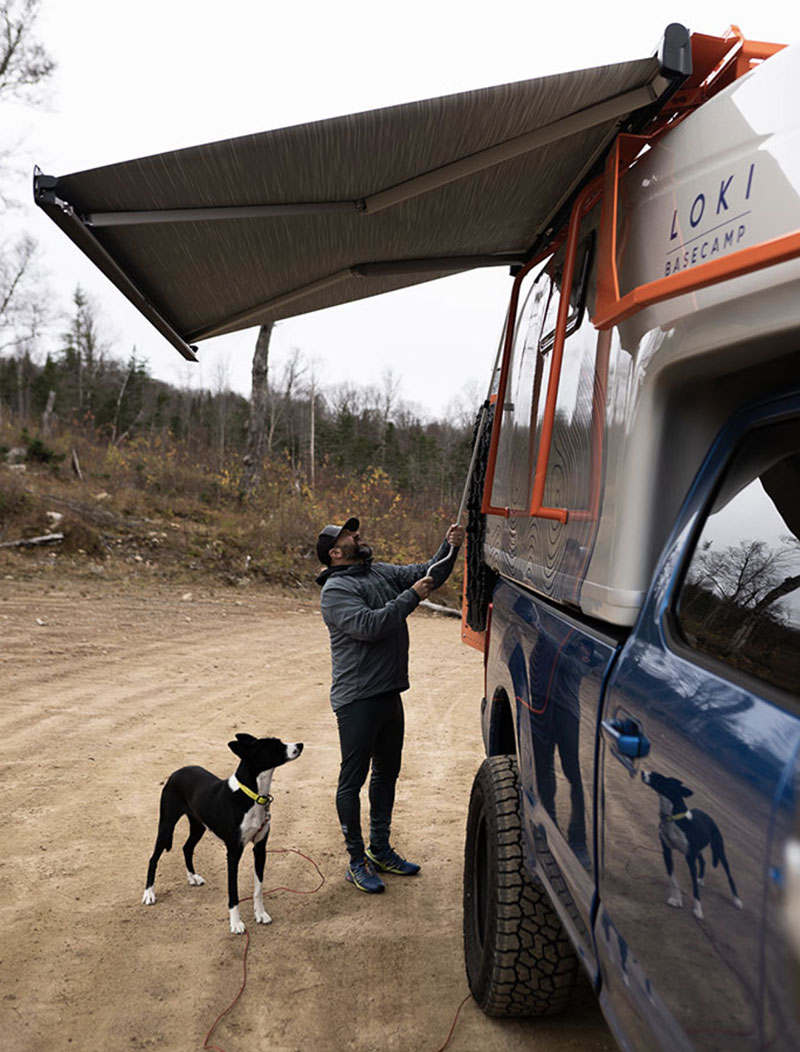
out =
column 327, row 539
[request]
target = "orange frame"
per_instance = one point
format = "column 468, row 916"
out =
column 717, row 62
column 611, row 308
column 585, row 201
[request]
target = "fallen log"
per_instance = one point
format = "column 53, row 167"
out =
column 32, row 542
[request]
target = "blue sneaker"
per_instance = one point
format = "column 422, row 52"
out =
column 364, row 877
column 388, row 861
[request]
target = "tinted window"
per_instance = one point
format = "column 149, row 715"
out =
column 740, row 600
column 529, row 371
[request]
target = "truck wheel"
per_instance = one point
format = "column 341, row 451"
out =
column 518, row 957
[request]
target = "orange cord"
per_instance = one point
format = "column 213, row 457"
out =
column 294, row 891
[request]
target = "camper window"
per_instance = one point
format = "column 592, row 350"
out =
column 527, row 380
column 577, row 294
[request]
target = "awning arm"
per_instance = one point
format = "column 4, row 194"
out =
column 444, row 265
column 63, row 215
column 200, row 215
column 608, row 110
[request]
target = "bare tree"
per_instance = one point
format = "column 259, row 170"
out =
column 257, row 425
column 24, row 63
column 222, row 390
column 24, row 66
column 23, row 308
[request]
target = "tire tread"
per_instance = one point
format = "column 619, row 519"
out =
column 526, row 965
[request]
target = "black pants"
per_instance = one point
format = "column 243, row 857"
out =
column 565, row 734
column 370, row 731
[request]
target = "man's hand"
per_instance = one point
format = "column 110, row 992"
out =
column 423, row 587
column 455, row 535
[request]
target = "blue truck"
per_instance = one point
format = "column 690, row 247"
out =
column 634, row 826
column 633, row 547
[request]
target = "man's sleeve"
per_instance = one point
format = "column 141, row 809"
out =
column 343, row 609
column 405, row 576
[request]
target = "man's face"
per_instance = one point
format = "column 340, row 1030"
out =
column 348, row 543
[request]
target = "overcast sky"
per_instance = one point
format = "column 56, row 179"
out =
column 155, row 75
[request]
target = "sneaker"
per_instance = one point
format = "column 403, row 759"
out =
column 388, row 861
column 364, row 877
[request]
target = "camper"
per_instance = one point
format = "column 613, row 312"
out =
column 633, row 544
column 637, row 595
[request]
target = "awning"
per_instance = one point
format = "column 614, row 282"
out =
column 216, row 238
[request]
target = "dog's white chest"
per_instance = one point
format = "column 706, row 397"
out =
column 673, row 836
column 255, row 824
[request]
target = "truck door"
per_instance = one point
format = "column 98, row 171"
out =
column 699, row 740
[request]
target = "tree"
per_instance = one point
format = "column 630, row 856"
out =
column 257, row 426
column 24, row 63
column 746, row 581
column 84, row 352
column 24, row 66
column 23, row 308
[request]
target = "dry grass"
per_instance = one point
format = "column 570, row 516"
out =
column 155, row 506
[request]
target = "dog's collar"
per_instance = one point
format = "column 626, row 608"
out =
column 264, row 800
column 676, row 818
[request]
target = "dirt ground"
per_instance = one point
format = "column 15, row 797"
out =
column 107, row 686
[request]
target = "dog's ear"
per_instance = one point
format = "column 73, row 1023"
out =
column 685, row 790
column 239, row 747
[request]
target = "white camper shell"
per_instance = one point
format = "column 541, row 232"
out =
column 643, row 389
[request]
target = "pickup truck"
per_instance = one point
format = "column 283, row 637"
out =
column 635, row 821
column 634, row 513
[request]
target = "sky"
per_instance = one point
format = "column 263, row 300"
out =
column 137, row 79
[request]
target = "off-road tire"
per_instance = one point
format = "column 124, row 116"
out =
column 519, row 960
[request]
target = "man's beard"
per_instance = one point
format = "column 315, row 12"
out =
column 363, row 553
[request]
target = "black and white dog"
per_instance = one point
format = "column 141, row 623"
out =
column 236, row 809
column 688, row 831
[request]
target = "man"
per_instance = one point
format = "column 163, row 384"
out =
column 365, row 606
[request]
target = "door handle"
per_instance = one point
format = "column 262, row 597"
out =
column 627, row 737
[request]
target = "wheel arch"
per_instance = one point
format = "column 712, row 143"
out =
column 501, row 739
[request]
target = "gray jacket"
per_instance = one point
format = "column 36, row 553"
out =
column 365, row 607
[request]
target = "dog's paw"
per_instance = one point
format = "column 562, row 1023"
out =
column 237, row 924
column 194, row 879
column 149, row 897
column 675, row 901
column 262, row 917
column 738, row 903
column 697, row 910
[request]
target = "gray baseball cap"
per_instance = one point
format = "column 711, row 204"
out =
column 328, row 537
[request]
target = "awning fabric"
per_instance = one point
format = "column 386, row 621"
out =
column 237, row 233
